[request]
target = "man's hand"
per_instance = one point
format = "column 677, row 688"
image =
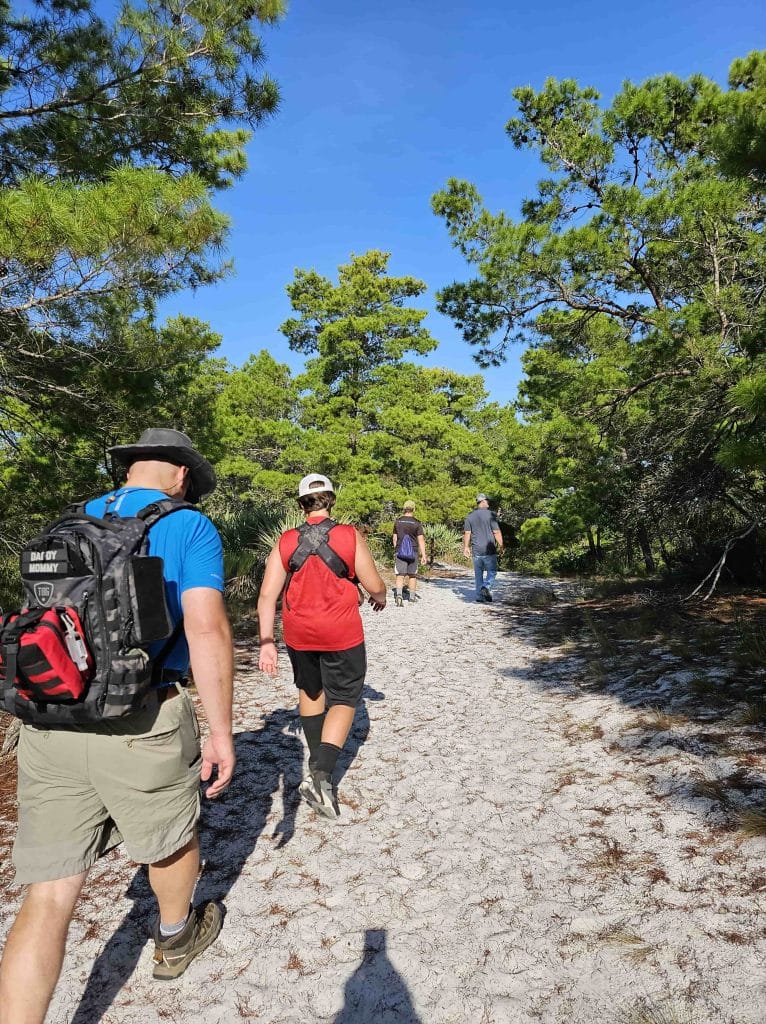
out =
column 267, row 659
column 377, row 603
column 466, row 553
column 218, row 751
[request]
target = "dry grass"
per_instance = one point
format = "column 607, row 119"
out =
column 245, row 1010
column 656, row 874
column 584, row 731
column 294, row 963
column 710, row 690
column 630, row 945
column 564, row 780
column 646, row 1011
column 752, row 823
column 711, row 789
column 609, row 858
column 754, row 713
column 654, row 719
column 750, row 647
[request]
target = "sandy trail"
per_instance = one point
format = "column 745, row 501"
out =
column 504, row 857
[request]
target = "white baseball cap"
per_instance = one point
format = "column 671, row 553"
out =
column 312, row 483
column 481, row 497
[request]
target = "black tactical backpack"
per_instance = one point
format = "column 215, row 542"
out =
column 78, row 651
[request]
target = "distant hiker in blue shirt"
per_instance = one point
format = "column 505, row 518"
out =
column 483, row 539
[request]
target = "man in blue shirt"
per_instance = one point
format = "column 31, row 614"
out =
column 481, row 532
column 133, row 779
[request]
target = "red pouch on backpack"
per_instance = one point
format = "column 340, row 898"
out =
column 48, row 654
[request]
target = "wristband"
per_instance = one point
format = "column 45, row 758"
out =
column 267, row 640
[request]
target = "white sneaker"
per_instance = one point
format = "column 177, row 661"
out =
column 308, row 789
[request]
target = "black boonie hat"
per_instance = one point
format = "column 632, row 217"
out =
column 166, row 445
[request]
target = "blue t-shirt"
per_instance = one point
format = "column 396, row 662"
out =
column 189, row 546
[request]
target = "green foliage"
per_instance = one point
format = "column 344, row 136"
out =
column 384, row 428
column 634, row 278
column 740, row 131
column 255, row 419
column 244, row 535
column 443, row 543
column 113, row 134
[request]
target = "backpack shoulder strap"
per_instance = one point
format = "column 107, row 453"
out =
column 149, row 515
column 156, row 510
column 313, row 539
column 164, row 651
column 75, row 514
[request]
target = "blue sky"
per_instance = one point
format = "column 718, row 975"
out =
column 383, row 102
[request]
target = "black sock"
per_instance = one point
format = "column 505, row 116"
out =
column 312, row 730
column 326, row 758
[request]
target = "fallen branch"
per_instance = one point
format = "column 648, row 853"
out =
column 718, row 567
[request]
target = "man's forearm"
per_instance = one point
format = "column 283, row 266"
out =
column 212, row 663
column 267, row 614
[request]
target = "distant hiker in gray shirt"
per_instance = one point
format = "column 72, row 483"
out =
column 482, row 534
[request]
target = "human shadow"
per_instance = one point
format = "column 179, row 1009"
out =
column 376, row 993
column 360, row 730
column 268, row 759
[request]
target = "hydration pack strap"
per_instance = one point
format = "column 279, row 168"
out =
column 157, row 510
column 313, row 540
column 165, row 650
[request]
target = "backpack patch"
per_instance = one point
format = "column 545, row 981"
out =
column 78, row 651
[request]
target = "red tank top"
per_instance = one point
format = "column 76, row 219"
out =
column 321, row 612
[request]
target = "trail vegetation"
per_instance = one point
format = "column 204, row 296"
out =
column 634, row 278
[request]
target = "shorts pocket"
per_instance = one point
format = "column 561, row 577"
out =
column 154, row 739
column 190, row 733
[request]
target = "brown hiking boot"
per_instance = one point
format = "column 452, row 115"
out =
column 173, row 955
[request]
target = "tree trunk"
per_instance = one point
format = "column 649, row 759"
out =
column 642, row 537
column 592, row 550
column 630, row 551
column 667, row 558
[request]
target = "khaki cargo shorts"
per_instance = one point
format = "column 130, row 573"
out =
column 82, row 792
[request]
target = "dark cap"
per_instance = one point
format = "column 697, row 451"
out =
column 166, row 445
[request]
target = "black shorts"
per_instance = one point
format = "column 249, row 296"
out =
column 339, row 673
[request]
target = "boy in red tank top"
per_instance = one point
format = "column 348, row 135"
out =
column 316, row 569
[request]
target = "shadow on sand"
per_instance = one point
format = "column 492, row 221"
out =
column 360, row 730
column 463, row 586
column 678, row 666
column 376, row 993
column 268, row 759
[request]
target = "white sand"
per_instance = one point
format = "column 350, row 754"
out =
column 512, row 850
